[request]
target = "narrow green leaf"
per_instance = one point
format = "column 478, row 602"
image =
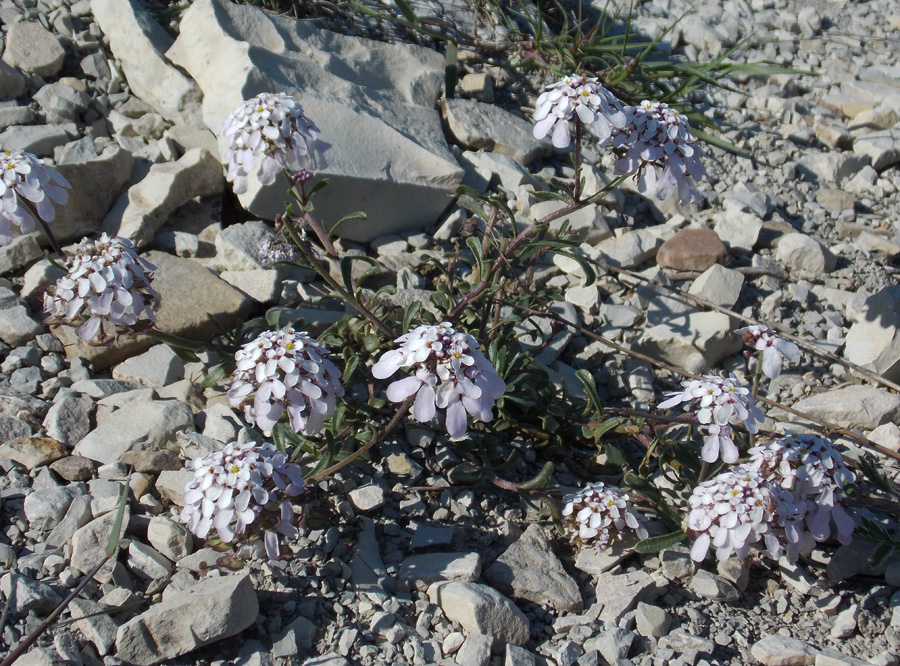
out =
column 411, row 311
column 658, row 543
column 590, row 388
column 407, row 12
column 185, row 355
column 589, row 276
column 540, row 481
column 112, row 544
column 216, row 374
column 451, row 69
column 358, row 215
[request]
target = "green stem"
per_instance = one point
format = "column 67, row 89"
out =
column 175, row 340
column 334, row 284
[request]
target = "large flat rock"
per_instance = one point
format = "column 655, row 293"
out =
column 373, row 102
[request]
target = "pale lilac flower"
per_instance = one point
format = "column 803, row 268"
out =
column 595, row 106
column 719, row 402
column 27, row 187
column 730, row 512
column 602, row 514
column 273, row 249
column 812, row 476
column 773, row 349
column 656, row 136
column 449, row 373
column 270, row 132
column 285, row 371
column 106, row 291
column 241, row 485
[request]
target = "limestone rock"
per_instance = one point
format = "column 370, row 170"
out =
column 139, row 214
column 620, row 593
column 364, row 96
column 433, row 567
column 212, row 609
column 692, row 250
column 631, row 249
column 187, row 291
column 874, row 338
column 481, row 609
column 529, row 570
column 17, row 326
column 32, row 451
column 832, row 167
column 157, row 367
column 694, row 342
column 96, row 182
column 804, row 253
column 136, row 426
column 486, row 126
column 89, row 544
column 34, row 49
column 883, row 148
column 782, row 651
column 853, row 407
column 12, row 81
column 139, row 44
column 719, row 285
column 738, row 230
column 19, row 253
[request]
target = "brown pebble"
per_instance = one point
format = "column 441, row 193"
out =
column 692, row 250
column 74, row 468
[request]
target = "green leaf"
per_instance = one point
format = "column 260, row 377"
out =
column 658, row 543
column 411, row 311
column 589, row 276
column 407, row 12
column 464, row 473
column 185, row 355
column 351, row 363
column 540, row 481
column 112, row 544
column 318, row 186
column 451, row 69
column 358, row 215
column 590, row 388
column 347, row 268
column 216, row 374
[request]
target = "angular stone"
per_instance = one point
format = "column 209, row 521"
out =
column 28, row 596
column 888, row 436
column 631, row 249
column 874, row 338
column 170, row 485
column 69, row 419
column 22, row 251
column 187, row 292
column 263, row 286
column 96, row 182
column 78, row 515
column 475, row 651
column 136, row 426
column 883, row 148
column 45, row 507
column 652, row 620
column 804, row 253
column 529, row 570
column 170, row 538
column 32, row 451
column 778, row 650
column 147, row 562
column 620, row 593
column 613, row 644
column 157, row 367
column 479, row 126
column 100, row 629
column 139, row 44
column 74, row 468
column 212, row 609
column 12, row 82
column 832, row 167
column 17, row 326
column 423, row 570
column 363, row 95
column 738, row 230
column 719, row 285
column 588, row 222
column 714, row 587
column 89, row 544
column 692, row 250
column 33, row 49
column 368, row 497
column 857, row 406
column 694, row 342
column 40, row 140
column 481, row 609
column 832, row 657
column 140, row 213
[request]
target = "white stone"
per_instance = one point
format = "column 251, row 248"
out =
column 883, row 148
column 18, row 327
column 801, row 252
column 33, row 49
column 139, row 43
column 630, row 249
column 89, row 544
column 620, row 593
column 38, row 139
column 587, row 298
column 694, row 342
column 833, row 167
column 222, row 422
column 874, row 338
column 263, row 286
column 887, row 435
column 719, row 285
column 157, row 367
column 845, row 623
column 170, row 538
column 486, row 126
column 423, row 570
column 147, row 562
column 368, row 497
column 738, row 230
column 212, row 609
column 652, row 620
column 481, row 609
column 365, row 96
column 778, row 650
column 856, row 406
column 136, row 426
column 140, row 213
column 19, row 253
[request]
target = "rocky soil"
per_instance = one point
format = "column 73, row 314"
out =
column 126, row 101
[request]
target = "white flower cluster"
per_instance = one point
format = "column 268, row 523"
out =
column 240, row 485
column 571, row 96
column 285, row 371
column 107, row 283
column 602, row 514
column 271, row 132
column 27, row 187
column 730, row 512
column 772, row 348
column 658, row 136
column 812, row 475
column 450, row 373
column 721, row 401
